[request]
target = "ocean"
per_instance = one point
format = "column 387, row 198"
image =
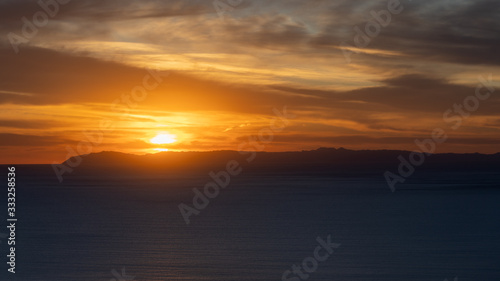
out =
column 114, row 228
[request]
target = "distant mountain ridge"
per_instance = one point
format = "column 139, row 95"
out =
column 321, row 159
column 322, row 162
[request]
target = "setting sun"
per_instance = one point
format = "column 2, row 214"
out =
column 164, row 139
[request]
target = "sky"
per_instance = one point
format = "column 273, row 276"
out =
column 148, row 76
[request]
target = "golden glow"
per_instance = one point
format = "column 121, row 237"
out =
column 164, row 139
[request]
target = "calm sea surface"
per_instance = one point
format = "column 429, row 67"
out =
column 258, row 227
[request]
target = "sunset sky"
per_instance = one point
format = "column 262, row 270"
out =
column 214, row 81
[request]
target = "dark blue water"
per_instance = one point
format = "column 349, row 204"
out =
column 256, row 228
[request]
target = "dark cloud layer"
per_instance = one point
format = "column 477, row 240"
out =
column 28, row 140
column 464, row 32
column 461, row 32
column 58, row 78
column 104, row 10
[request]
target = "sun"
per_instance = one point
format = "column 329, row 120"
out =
column 164, row 139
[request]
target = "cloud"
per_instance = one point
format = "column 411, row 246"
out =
column 30, row 124
column 28, row 140
column 404, row 93
column 55, row 78
column 105, row 10
column 460, row 32
column 265, row 55
column 59, row 78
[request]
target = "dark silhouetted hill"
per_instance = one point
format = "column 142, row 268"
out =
column 322, row 160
